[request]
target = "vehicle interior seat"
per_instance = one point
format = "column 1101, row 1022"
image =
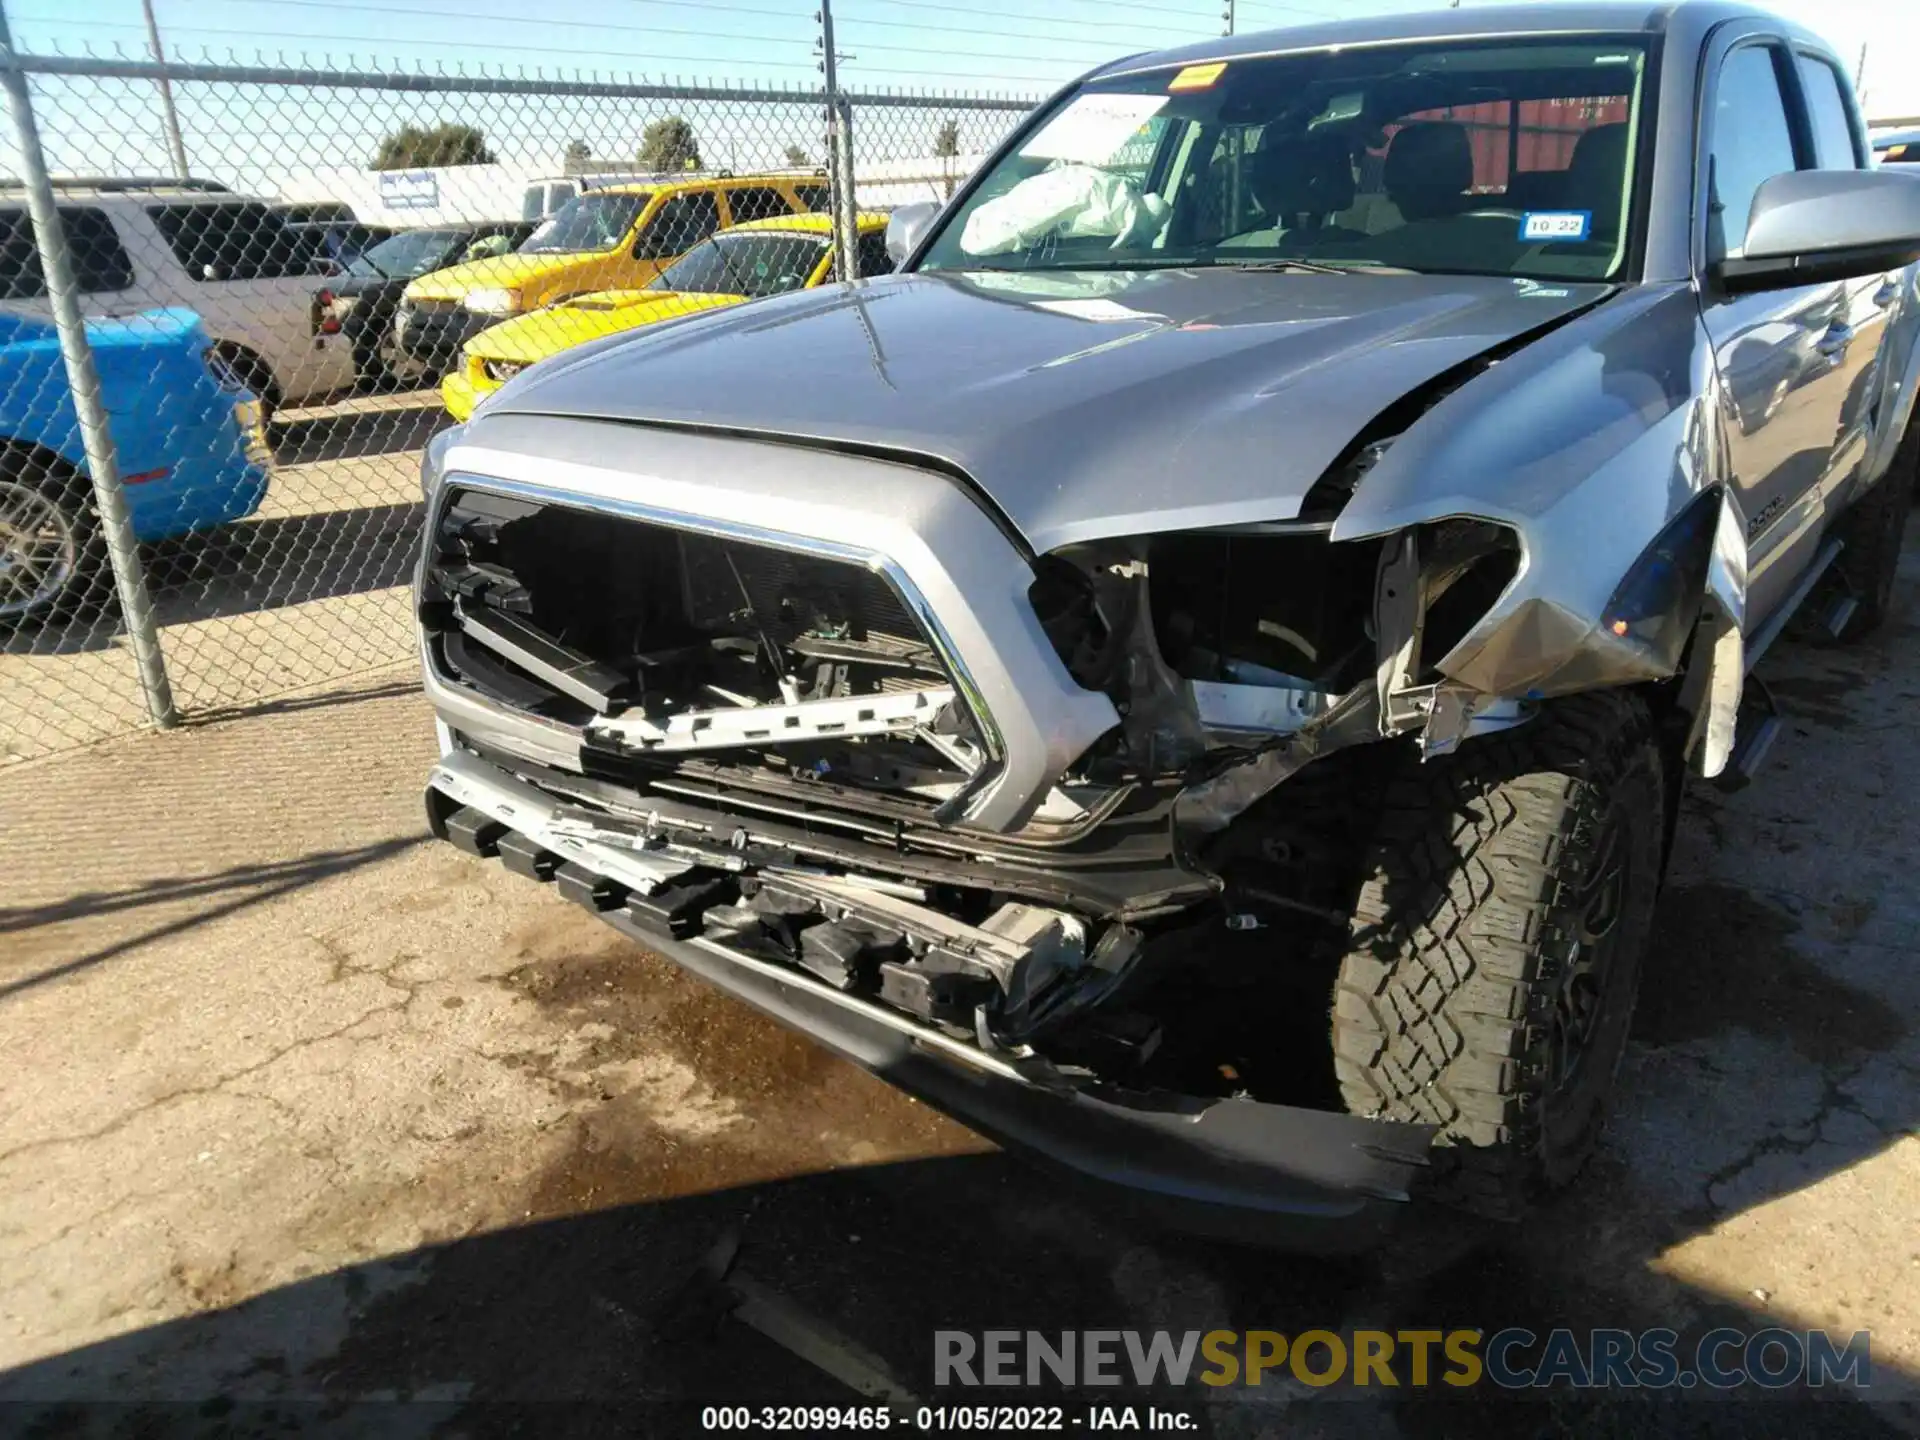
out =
column 1298, row 181
column 1596, row 178
column 1429, row 170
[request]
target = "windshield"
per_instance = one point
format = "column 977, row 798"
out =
column 588, row 222
column 1495, row 158
column 754, row 265
column 403, row 256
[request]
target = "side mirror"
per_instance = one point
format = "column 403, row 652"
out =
column 1809, row 226
column 907, row 226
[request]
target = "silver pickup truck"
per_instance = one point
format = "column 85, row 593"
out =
column 1193, row 675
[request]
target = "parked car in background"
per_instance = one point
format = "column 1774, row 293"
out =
column 188, row 435
column 615, row 238
column 361, row 303
column 747, row 262
column 338, row 242
column 1197, row 673
column 252, row 279
column 1900, row 148
column 315, row 212
column 546, row 195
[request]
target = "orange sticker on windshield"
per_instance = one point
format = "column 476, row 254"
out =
column 1198, row 77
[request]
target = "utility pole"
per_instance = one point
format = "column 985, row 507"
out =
column 169, row 116
column 846, row 232
column 1860, row 78
column 1226, row 18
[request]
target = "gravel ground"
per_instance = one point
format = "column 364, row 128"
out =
column 307, row 1115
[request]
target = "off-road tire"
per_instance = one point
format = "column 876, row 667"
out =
column 1483, row 870
column 1872, row 530
column 88, row 588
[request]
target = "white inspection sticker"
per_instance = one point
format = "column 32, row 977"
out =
column 1539, row 225
column 1092, row 127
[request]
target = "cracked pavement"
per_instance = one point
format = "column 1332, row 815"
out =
column 303, row 1108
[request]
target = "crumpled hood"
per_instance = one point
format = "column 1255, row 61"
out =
column 1084, row 405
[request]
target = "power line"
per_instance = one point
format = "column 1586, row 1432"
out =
column 658, row 61
column 1317, row 14
column 973, row 14
column 466, row 15
column 1202, row 19
column 861, row 21
column 385, row 44
column 1104, row 51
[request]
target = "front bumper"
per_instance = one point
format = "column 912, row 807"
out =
column 459, row 394
column 434, row 338
column 1269, row 1174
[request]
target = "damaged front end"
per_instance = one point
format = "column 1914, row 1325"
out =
column 779, row 749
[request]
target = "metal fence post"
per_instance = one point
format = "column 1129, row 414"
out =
column 846, row 232
column 88, row 406
column 846, row 212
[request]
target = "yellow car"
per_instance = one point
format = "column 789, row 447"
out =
column 748, row 262
column 617, row 236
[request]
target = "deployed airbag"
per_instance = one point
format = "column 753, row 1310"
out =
column 1069, row 201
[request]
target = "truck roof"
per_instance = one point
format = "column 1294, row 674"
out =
column 1686, row 19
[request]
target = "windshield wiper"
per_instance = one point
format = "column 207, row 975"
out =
column 1308, row 267
column 1058, row 269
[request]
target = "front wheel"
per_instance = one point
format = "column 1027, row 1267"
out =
column 1495, row 951
column 51, row 555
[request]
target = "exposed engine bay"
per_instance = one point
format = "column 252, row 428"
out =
column 772, row 745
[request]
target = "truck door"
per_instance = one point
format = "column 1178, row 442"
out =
column 1838, row 145
column 1784, row 355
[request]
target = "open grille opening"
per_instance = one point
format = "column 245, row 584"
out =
column 655, row 639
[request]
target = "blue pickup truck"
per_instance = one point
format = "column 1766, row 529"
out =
column 187, row 433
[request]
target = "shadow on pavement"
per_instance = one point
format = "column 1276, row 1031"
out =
column 323, row 700
column 606, row 1311
column 387, row 430
column 260, row 564
column 250, row 885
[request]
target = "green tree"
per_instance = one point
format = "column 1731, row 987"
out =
column 669, row 144
column 578, row 152
column 946, row 140
column 798, row 157
column 414, row 147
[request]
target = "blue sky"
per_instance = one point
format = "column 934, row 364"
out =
column 999, row 45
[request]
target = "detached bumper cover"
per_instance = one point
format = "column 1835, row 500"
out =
column 1263, row 1172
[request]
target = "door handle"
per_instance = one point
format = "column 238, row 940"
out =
column 1834, row 343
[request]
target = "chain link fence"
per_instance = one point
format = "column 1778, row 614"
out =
column 251, row 294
